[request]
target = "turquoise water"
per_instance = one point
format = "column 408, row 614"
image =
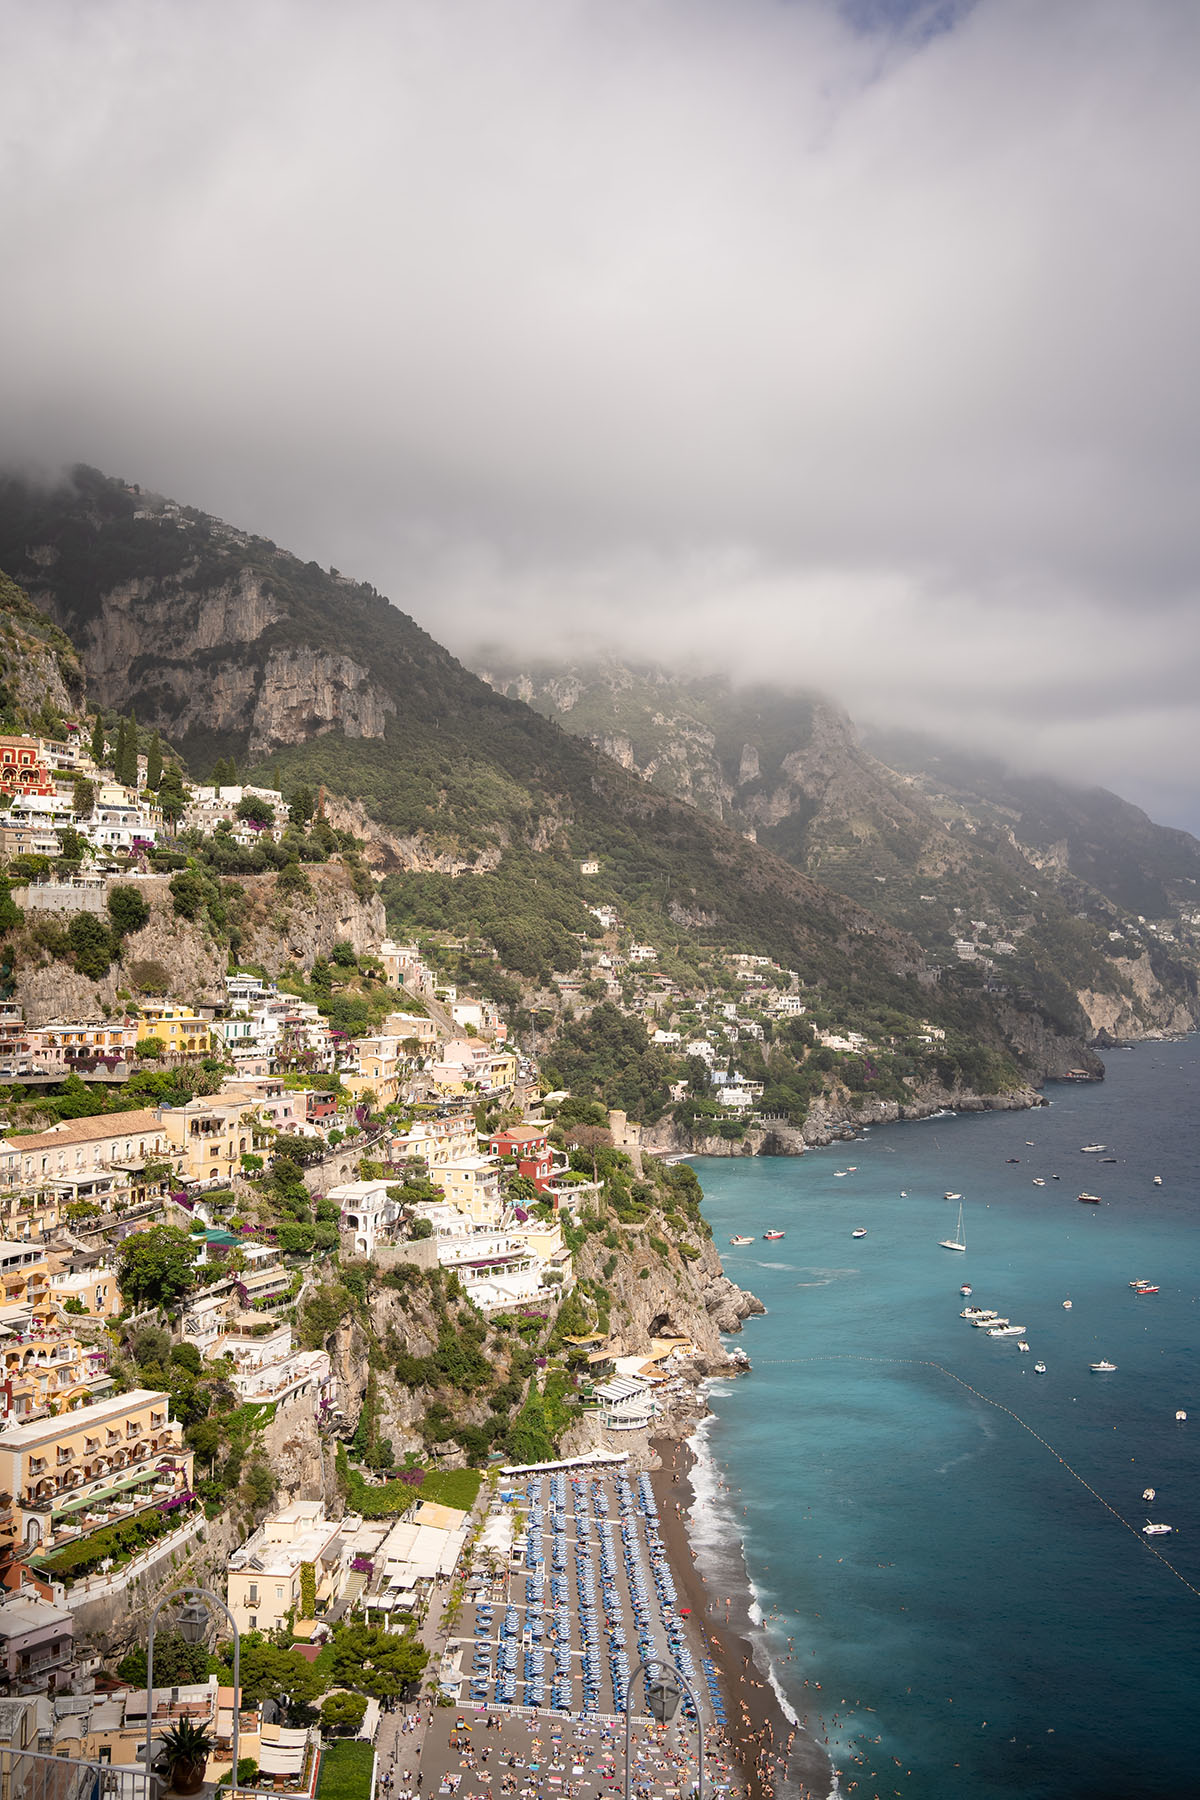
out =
column 958, row 1593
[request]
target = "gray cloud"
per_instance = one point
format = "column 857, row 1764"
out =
column 856, row 347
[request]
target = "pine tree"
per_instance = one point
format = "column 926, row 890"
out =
column 98, row 741
column 154, row 764
column 131, row 778
column 125, row 762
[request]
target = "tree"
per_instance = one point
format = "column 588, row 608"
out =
column 343, row 1712
column 301, row 806
column 271, row 1673
column 377, row 1662
column 127, row 909
column 83, row 797
column 176, row 1662
column 98, row 742
column 91, row 943
column 172, row 795
column 256, row 810
column 155, row 1267
column 154, row 763
column 151, row 1048
column 71, row 847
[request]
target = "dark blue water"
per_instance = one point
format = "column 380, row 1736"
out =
column 959, row 1594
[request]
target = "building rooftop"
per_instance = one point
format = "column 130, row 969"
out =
column 88, row 1131
column 47, row 1431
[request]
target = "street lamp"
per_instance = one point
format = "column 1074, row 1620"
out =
column 663, row 1695
column 192, row 1625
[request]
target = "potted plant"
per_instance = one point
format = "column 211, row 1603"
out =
column 187, row 1747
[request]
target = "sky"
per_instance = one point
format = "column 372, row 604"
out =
column 850, row 346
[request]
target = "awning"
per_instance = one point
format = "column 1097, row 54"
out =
column 99, row 1495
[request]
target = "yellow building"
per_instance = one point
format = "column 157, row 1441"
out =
column 265, row 1575
column 24, row 1274
column 210, row 1135
column 44, row 1366
column 184, row 1033
column 70, row 1474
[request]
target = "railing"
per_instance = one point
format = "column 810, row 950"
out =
column 29, row 1775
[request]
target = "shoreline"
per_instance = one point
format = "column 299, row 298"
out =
column 779, row 1759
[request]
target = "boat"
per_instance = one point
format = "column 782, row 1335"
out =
column 859, row 1231
column 838, row 1173
column 1007, row 1331
column 1039, row 1368
column 1158, row 1181
column 1089, row 1199
column 1147, row 1493
column 1093, row 1149
column 1066, row 1306
column 1149, row 1530
column 1039, row 1181
column 852, row 1168
column 995, row 1323
column 1180, row 1416
column 1012, row 1159
column 1146, row 1287
column 958, row 1241
column 966, row 1290
column 979, row 1312
column 951, row 1196
column 741, row 1240
column 904, row 1193
column 772, row 1236
column 1111, row 1159
column 1022, row 1345
column 1103, row 1368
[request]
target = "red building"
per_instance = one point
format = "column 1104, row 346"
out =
column 529, row 1146
column 22, row 770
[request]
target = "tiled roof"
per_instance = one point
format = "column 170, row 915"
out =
column 89, row 1131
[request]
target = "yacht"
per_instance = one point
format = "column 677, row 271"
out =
column 1103, row 1368
column 1149, row 1530
column 959, row 1240
column 739, row 1241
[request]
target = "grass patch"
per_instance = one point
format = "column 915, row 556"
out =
column 448, row 1487
column 345, row 1771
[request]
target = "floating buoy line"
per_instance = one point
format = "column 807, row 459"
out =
column 921, row 1362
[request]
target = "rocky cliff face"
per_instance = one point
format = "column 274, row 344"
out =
column 38, row 665
column 184, row 959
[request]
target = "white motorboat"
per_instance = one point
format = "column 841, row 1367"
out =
column 1147, row 1493
column 1180, row 1416
column 1149, row 1530
column 741, row 1240
column 1022, row 1345
column 979, row 1312
column 1092, row 1149
column 958, row 1241
column 989, row 1324
column 1158, row 1181
column 1007, row 1331
column 1039, row 1181
column 1066, row 1306
column 951, row 1196
column 1103, row 1368
column 859, row 1231
column 1039, row 1368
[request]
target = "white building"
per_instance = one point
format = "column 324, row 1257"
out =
column 366, row 1212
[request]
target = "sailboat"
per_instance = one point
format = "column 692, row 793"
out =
column 958, row 1241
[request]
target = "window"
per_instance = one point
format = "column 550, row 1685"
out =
column 253, row 1595
column 254, row 1621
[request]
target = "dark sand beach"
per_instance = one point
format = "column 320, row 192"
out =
column 780, row 1761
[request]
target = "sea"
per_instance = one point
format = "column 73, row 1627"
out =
column 945, row 1547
